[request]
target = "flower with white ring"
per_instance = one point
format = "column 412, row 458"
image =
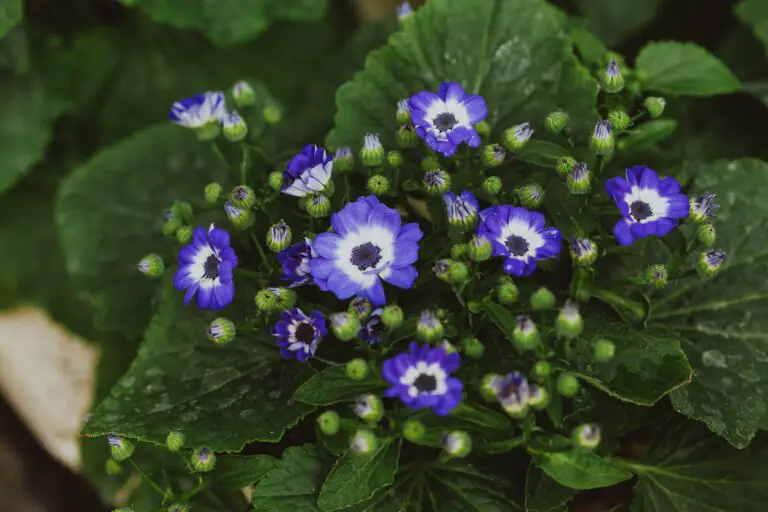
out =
column 308, row 172
column 199, row 110
column 298, row 334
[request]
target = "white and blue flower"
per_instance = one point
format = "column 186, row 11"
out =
column 461, row 209
column 298, row 334
column 308, row 172
column 199, row 110
column 519, row 235
column 206, row 266
column 372, row 330
column 295, row 262
column 368, row 245
column 650, row 206
column 446, row 119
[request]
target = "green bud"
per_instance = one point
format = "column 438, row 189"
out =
column 318, row 205
column 175, row 441
column 203, row 459
column 357, row 369
column 579, row 180
column 368, row 408
column 392, row 316
column 483, row 129
column 242, row 196
column 569, row 323
column 538, row 397
column 583, row 252
column 378, row 185
column 429, row 328
column 702, row 207
column 507, row 293
column 447, row 346
column 565, row 166
column 414, row 430
column 372, row 152
column 360, row 307
column 492, row 185
column 212, row 192
column 655, row 106
column 602, row 141
column 459, row 250
column 479, row 248
column 487, row 387
column 240, row 218
column 440, row 268
column 611, row 79
column 178, row 507
column 151, row 266
column 706, row 234
column 407, row 137
column 234, row 127
column 657, row 276
column 364, row 442
column 120, row 448
column 170, row 226
column 430, row 163
column 344, row 161
column 542, row 370
column 279, row 236
column 403, row 115
column 587, row 436
column 271, row 114
column 567, row 385
column 526, row 334
column 543, row 299
column 473, row 347
column 457, row 444
column 458, row 273
column 394, row 158
column 221, row 331
column 531, row 196
column 556, row 121
column 603, row 350
column 271, row 300
column 517, row 137
column 276, row 180
column 619, row 119
column 184, row 234
column 710, row 263
column 208, row 131
column 112, row 467
column 493, row 155
column 345, row 325
column 329, row 422
column 436, row 182
column 243, row 94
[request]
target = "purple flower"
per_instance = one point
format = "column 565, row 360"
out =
column 199, row 110
column 461, row 209
column 299, row 334
column 308, row 172
column 371, row 330
column 650, row 206
column 421, row 378
column 295, row 262
column 446, row 119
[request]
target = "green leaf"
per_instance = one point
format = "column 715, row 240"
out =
column 543, row 494
column 460, row 487
column 721, row 322
column 755, row 14
column 689, row 470
column 334, row 385
column 292, row 484
column 233, row 472
column 502, row 317
column 355, row 477
column 512, row 52
column 542, row 153
column 104, row 236
column 219, row 396
column 614, row 21
column 11, row 13
column 647, row 135
column 648, row 363
column 681, row 69
column 578, row 468
column 228, row 22
column 591, row 49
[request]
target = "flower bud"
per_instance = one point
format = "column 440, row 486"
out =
column 458, row 273
column 567, row 385
column 279, row 236
column 459, row 250
column 112, row 467
column 711, row 262
column 603, row 350
column 357, row 369
column 243, row 94
column 569, row 323
column 151, row 266
column 234, row 127
column 271, row 114
column 579, row 180
column 394, row 158
column 172, row 222
column 512, row 392
column 706, row 234
column 378, row 185
column 429, row 327
column 657, row 276
column 276, row 180
column 611, row 79
column 473, row 347
column 329, row 422
column 407, row 137
column 221, row 331
column 372, row 152
column 414, row 430
column 436, row 182
column 517, row 137
column 526, row 334
column 119, row 447
column 461, row 210
column 602, row 140
column 542, row 370
column 583, row 252
column 345, row 325
column 360, row 307
column 242, row 196
column 440, row 268
column 212, row 192
column 271, row 300
column 492, row 185
column 493, row 155
column 556, row 121
column 403, row 115
column 531, row 196
column 343, row 161
column 447, row 346
column 203, row 459
column 364, row 442
column 184, row 234
column 175, row 441
column 655, row 106
column 404, row 11
column 565, row 166
column 483, row 129
column 538, row 398
column 702, row 208
column 587, row 436
column 392, row 316
column 368, row 408
column 507, row 293
column 208, row 131
column 479, row 248
column 240, row 218
column 487, row 387
column 318, row 205
column 543, row 299
column 457, row 444
column 430, row 163
column 619, row 120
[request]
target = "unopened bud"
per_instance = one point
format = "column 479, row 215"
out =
column 392, row 316
column 221, row 331
column 151, row 266
column 345, row 325
column 457, row 444
column 203, row 459
column 357, row 369
column 372, row 153
column 212, row 192
column 378, row 185
column 543, row 299
column 175, row 441
column 603, row 350
column 556, row 121
column 567, row 385
column 329, row 422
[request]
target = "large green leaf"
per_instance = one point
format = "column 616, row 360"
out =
column 234, row 472
column 648, row 364
column 110, row 215
column 513, row 52
column 579, row 469
column 722, row 322
column 219, row 396
column 355, row 477
column 682, row 69
column 614, row 21
column 334, row 385
column 228, row 22
column 689, row 470
column 11, row 13
column 543, row 494
column 293, row 484
column 755, row 14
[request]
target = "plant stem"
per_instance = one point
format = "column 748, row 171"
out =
column 245, row 164
column 165, row 494
column 262, row 254
column 621, row 304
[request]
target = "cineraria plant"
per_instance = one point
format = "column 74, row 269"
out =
column 483, row 291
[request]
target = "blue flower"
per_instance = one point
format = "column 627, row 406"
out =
column 371, row 330
column 404, row 10
column 512, row 392
column 421, row 378
column 650, row 206
column 307, row 172
column 519, row 236
column 295, row 262
column 205, row 268
column 199, row 110
column 368, row 244
column 298, row 334
column 446, row 119
column 461, row 210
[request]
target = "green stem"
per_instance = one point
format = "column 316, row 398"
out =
column 264, row 260
column 165, row 494
column 621, row 304
column 250, row 273
column 245, row 164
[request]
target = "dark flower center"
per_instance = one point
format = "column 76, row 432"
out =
column 510, row 388
column 640, row 210
column 445, row 121
column 305, row 333
column 517, row 245
column 211, row 267
column 365, row 256
column 425, row 383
